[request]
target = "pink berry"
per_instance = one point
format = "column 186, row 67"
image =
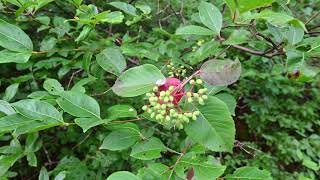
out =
column 171, row 81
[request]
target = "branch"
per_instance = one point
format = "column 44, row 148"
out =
column 258, row 53
column 312, row 18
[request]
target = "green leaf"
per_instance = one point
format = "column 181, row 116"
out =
column 11, row 122
column 194, row 30
column 115, row 17
column 206, row 50
column 48, row 43
column 144, row 8
column 10, row 92
column 62, row 175
column 154, row 171
column 112, row 60
column 78, row 104
column 294, row 34
column 120, row 140
column 6, row 108
column 7, row 56
column 122, row 175
column 246, row 5
column 32, row 159
column 138, row 80
column 78, row 87
column 32, row 142
column 87, row 123
column 13, row 38
column 84, row 33
column 86, row 62
column 7, row 161
column 237, row 37
column 125, row 7
column 35, row 126
column 229, row 100
column 220, row 72
column 277, row 19
column 44, row 175
column 53, row 86
column 252, row 173
column 149, row 149
column 121, row 111
column 214, row 128
column 38, row 110
column 202, row 170
column 307, row 162
column 210, row 16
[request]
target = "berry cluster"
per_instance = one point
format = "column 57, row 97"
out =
column 176, row 71
column 199, row 96
column 164, row 101
column 163, row 109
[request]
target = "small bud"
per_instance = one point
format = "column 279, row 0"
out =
column 196, row 113
column 158, row 106
column 158, row 116
column 155, row 89
column 194, row 117
column 167, row 93
column 192, row 82
column 171, row 98
column 190, row 100
column 145, row 107
column 168, row 66
column 163, row 112
column 188, row 94
column 200, row 91
column 172, row 111
column 196, row 95
column 170, row 105
column 168, row 118
column 162, row 93
column 205, row 90
column 165, row 99
column 152, row 115
column 148, row 94
column 171, row 88
column 149, row 110
column 163, row 106
column 199, row 81
column 200, row 100
column 204, row 97
column 181, row 67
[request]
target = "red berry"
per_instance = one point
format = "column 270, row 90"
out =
column 177, row 95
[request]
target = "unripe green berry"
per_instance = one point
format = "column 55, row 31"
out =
column 200, row 100
column 192, row 82
column 196, row 113
column 158, row 106
column 167, row 93
column 199, row 81
column 145, row 107
column 179, row 126
column 168, row 118
column 152, row 115
column 200, row 91
column 194, row 117
column 205, row 90
column 170, row 105
column 171, row 98
column 171, row 88
column 163, row 106
column 190, row 100
column 158, row 116
column 189, row 114
column 148, row 94
column 149, row 110
column 204, row 97
column 168, row 66
column 155, row 89
column 165, row 99
column 162, row 93
column 196, row 95
column 188, row 94
column 163, row 112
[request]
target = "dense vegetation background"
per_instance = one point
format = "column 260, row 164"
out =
column 276, row 114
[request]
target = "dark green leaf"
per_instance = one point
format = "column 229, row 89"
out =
column 121, row 111
column 149, row 149
column 210, row 16
column 121, row 175
column 112, row 60
column 120, row 140
column 194, row 30
column 247, row 173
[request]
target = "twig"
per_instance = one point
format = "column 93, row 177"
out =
column 73, row 74
column 84, row 139
column 312, row 18
column 172, row 168
column 103, row 93
column 130, row 120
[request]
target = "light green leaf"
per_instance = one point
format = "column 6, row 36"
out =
column 10, row 92
column 11, row 122
column 210, row 16
column 115, row 17
column 112, row 60
column 202, row 170
column 86, row 62
column 7, row 56
column 6, row 108
column 84, row 33
column 144, row 8
column 123, row 175
column 149, row 149
column 87, row 123
column 32, row 159
column 194, row 30
column 78, row 104
column 43, row 174
column 307, row 162
column 246, row 5
column 78, row 87
column 154, row 171
column 61, row 175
column 53, row 86
column 121, row 111
column 13, row 38
column 294, row 34
column 237, row 37
column 220, row 72
column 120, row 140
column 249, row 173
column 7, row 161
column 125, row 7
column 48, row 43
column 36, row 125
column 206, row 50
column 138, row 80
column 38, row 110
column 214, row 128
column 229, row 100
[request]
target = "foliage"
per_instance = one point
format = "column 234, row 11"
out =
column 149, row 89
